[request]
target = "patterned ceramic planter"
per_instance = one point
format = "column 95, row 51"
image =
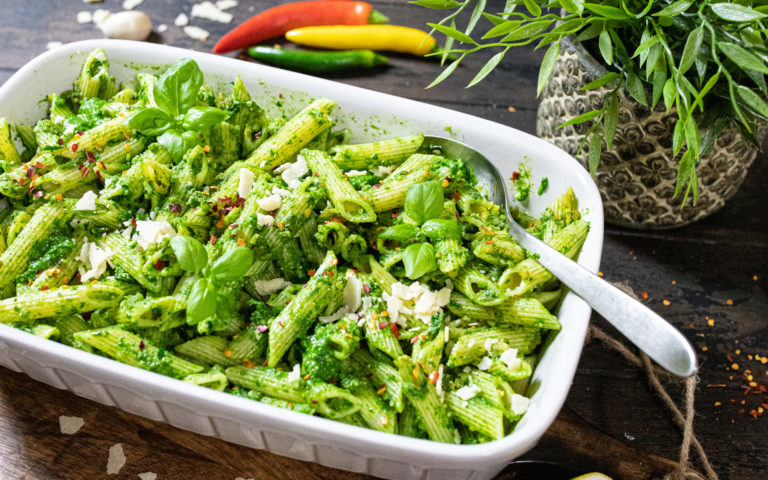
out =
column 636, row 177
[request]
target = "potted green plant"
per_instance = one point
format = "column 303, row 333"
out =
column 660, row 99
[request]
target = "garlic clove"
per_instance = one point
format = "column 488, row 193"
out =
column 128, row 25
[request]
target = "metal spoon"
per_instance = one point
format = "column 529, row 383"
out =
column 651, row 333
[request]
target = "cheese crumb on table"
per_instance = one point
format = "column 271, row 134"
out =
column 131, row 4
column 181, row 20
column 70, row 425
column 209, row 11
column 84, row 17
column 116, row 459
column 148, row 476
column 226, row 4
column 197, row 33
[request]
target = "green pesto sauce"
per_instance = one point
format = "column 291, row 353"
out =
column 523, row 182
column 45, row 252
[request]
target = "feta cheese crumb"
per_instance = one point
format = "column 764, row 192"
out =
column 270, row 203
column 149, row 232
column 509, row 357
column 131, row 4
column 181, row 20
column 489, row 343
column 51, row 46
column 87, row 201
column 355, row 173
column 519, row 404
column 226, row 4
column 97, row 258
column 70, row 425
column 268, row 287
column 265, row 220
column 100, row 15
column 382, row 171
column 116, row 459
column 209, row 11
column 485, row 363
column 294, row 171
column 197, row 33
column 439, row 383
column 338, row 315
column 148, row 476
column 353, row 293
column 280, row 191
column 245, row 186
column 295, row 374
column 84, row 17
column 162, row 28
column 447, row 333
column 467, row 392
column 426, row 302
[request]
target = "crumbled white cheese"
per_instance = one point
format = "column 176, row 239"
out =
column 131, row 4
column 509, row 357
column 353, row 293
column 519, row 404
column 489, row 343
column 280, row 191
column 181, row 20
column 245, row 186
column 209, row 11
column 382, row 171
column 338, row 315
column 87, row 201
column 149, row 232
column 447, row 333
column 226, row 4
column 148, row 476
column 100, row 15
column 292, row 172
column 485, row 363
column 295, row 374
column 439, row 383
column 268, row 287
column 116, row 459
column 467, row 392
column 70, row 425
column 355, row 173
column 84, row 17
column 197, row 33
column 425, row 302
column 97, row 259
column 162, row 28
column 51, row 46
column 265, row 220
column 270, row 203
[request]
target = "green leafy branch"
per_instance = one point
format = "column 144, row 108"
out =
column 706, row 59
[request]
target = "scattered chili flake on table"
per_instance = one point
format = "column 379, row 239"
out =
column 729, row 302
column 666, row 302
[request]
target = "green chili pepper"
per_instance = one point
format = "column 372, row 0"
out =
column 317, row 62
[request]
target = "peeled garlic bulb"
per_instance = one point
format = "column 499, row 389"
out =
column 128, row 25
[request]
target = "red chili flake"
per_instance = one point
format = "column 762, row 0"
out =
column 367, row 288
column 61, row 141
column 40, row 165
column 98, row 174
column 22, row 181
column 175, row 208
column 377, row 185
column 393, row 327
column 44, row 288
column 133, row 221
column 280, row 95
column 281, row 323
column 394, row 215
column 433, row 377
column 213, row 239
column 90, row 156
column 415, row 339
column 730, row 359
column 515, row 176
column 645, row 295
column 30, row 171
column 86, row 171
column 317, row 174
column 456, row 196
column 234, row 225
column 74, row 147
column 159, row 264
column 142, row 345
column 80, row 167
column 262, row 328
column 338, row 220
column 329, row 273
column 383, row 325
column 38, row 194
column 80, row 133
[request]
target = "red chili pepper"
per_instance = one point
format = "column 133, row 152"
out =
column 275, row 21
column 395, row 330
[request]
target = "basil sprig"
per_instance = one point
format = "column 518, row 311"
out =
column 175, row 119
column 423, row 204
column 205, row 300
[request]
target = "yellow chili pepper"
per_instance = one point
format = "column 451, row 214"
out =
column 367, row 37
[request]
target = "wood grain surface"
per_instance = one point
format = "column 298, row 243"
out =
column 709, row 279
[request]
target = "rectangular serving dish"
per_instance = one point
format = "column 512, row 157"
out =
column 369, row 115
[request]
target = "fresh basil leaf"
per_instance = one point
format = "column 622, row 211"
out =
column 424, row 201
column 419, row 259
column 225, row 306
column 201, row 304
column 190, row 253
column 441, row 229
column 176, row 89
column 401, row 232
column 202, row 118
column 233, row 265
column 174, row 144
column 150, row 121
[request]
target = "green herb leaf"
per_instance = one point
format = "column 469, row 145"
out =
column 584, row 117
column 670, row 93
column 547, row 65
column 419, row 259
column 475, row 17
column 611, row 120
column 402, row 232
column 424, row 201
column 645, row 45
column 733, row 12
column 176, row 143
column 573, row 6
column 190, row 254
column 532, row 7
column 487, row 68
column 691, row 49
column 635, row 87
column 233, row 265
column 608, row 12
column 446, row 72
column 741, row 57
column 527, row 30
column 659, row 80
column 606, row 47
column 441, row 229
column 453, row 33
column 437, row 4
column 150, row 121
column 176, row 89
column 674, row 9
column 503, row 28
column 201, row 304
column 602, row 81
column 202, row 118
column 753, row 100
column 595, row 149
column 678, row 134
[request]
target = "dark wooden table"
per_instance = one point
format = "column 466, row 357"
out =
column 709, row 279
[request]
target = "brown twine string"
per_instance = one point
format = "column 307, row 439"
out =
column 684, row 422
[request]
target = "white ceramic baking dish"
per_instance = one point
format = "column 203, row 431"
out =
column 370, row 115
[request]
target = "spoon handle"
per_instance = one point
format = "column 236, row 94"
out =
column 643, row 327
